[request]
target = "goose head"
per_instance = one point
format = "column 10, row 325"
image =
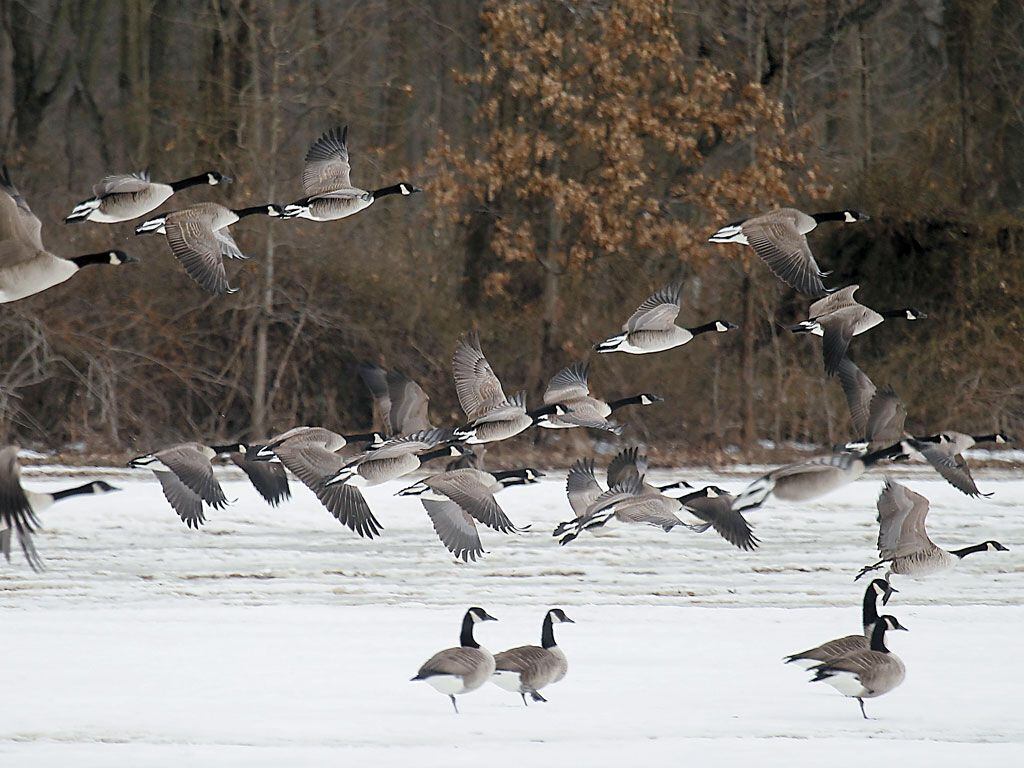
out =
column 406, row 188
column 101, row 486
column 891, row 622
column 117, row 258
column 851, row 216
column 995, row 546
column 213, row 178
column 914, row 314
column 558, row 616
column 477, row 615
column 646, row 398
column 724, row 325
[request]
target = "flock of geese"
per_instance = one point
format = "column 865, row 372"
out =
column 461, row 496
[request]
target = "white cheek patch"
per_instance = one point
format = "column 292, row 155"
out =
column 405, row 189
column 850, row 218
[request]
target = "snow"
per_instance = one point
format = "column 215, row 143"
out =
column 277, row 637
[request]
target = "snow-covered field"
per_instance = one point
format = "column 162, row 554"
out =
column 278, row 638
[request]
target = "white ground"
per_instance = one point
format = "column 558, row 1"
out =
column 278, row 638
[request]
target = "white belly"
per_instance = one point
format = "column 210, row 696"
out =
column 847, row 684
column 507, row 680
column 34, row 276
column 449, row 685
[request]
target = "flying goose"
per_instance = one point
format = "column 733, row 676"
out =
column 632, row 463
column 311, row 454
column 492, row 416
column 865, row 674
column 528, row 668
column 400, row 405
column 455, row 671
column 186, row 477
column 903, row 541
column 570, row 389
column 26, row 267
column 127, row 196
column 944, row 452
column 813, row 478
column 838, row 317
column 19, row 507
column 779, row 238
column 850, row 643
column 627, row 502
column 395, row 458
column 268, row 478
column 877, row 416
column 199, row 239
column 457, row 499
column 652, row 327
column 325, row 180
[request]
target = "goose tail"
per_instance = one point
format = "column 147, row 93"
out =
column 82, row 211
column 730, row 233
column 610, row 344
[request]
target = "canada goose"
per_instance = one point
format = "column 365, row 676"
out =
column 199, row 239
column 310, row 453
column 127, row 196
column 810, row 479
column 779, row 238
column 395, row 458
column 632, row 463
column 714, row 507
column 400, row 405
column 865, row 674
column 26, row 267
column 570, row 389
column 325, row 180
column 19, row 507
column 877, row 416
column 652, row 327
column 268, row 478
column 186, row 477
column 850, row 643
column 903, row 540
column 944, row 452
column 492, row 416
column 627, row 503
column 528, row 668
column 839, row 317
column 455, row 671
column 457, row 499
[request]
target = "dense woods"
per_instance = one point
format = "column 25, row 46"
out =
column 574, row 157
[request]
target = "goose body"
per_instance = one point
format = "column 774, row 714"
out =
column 838, row 317
column 877, row 416
column 186, row 478
column 199, row 240
column 456, row 500
column 849, row 643
column 866, row 673
column 529, row 668
column 26, row 267
column 400, row 405
column 652, row 327
column 944, row 452
column 460, row 670
column 903, row 541
column 19, row 506
column 395, row 458
column 327, row 184
column 779, row 238
column 570, row 389
column 123, row 197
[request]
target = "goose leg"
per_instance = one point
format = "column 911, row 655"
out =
column 868, row 569
column 861, row 702
column 525, row 702
column 537, row 697
column 452, row 697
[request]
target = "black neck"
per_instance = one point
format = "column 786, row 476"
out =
column 191, row 181
column 466, row 637
column 703, row 328
column 962, row 553
column 218, row 449
column 634, row 400
column 394, row 189
column 547, row 632
column 878, row 637
column 437, row 453
column 890, row 452
column 870, row 611
column 829, row 216
column 984, row 438
column 546, row 410
column 894, row 313
column 254, row 210
column 76, row 491
column 91, row 258
column 361, row 437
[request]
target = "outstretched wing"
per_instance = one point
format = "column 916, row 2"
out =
column 327, row 165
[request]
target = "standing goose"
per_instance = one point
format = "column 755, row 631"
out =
column 455, row 671
column 570, row 389
column 311, row 454
column 528, row 668
column 877, row 416
column 850, row 643
column 944, row 452
column 400, row 405
column 127, row 196
column 395, row 458
column 26, row 267
column 903, row 540
column 457, row 499
column 652, row 328
column 325, row 180
column 810, row 479
column 19, row 507
column 839, row 317
column 865, row 674
column 779, row 238
column 492, row 416
column 186, row 477
column 199, row 239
